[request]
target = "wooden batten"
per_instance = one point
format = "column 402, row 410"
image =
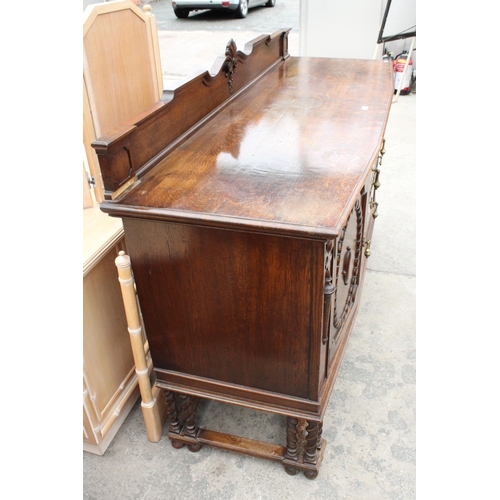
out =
column 151, row 407
column 140, row 143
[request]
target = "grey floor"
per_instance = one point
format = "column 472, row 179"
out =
column 370, row 421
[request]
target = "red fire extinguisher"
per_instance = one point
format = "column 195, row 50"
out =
column 399, row 66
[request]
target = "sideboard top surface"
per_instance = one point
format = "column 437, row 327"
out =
column 285, row 155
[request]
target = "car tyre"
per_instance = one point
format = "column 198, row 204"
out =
column 242, row 9
column 271, row 3
column 181, row 13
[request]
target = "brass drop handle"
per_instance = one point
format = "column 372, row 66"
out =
column 374, row 204
column 367, row 244
column 382, row 153
column 347, row 263
column 376, row 184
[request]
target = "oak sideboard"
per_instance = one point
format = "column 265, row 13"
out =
column 248, row 200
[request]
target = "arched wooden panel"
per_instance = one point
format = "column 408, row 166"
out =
column 121, row 70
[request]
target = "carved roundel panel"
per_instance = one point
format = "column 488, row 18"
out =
column 347, row 267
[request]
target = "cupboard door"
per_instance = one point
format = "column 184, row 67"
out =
column 346, row 260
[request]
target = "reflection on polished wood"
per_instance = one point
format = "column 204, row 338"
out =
column 273, row 156
column 246, row 227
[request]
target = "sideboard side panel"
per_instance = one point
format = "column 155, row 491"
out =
column 224, row 305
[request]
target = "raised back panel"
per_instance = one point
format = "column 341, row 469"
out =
column 142, row 141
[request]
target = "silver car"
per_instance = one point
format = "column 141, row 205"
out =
column 182, row 8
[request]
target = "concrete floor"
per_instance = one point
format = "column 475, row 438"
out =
column 370, row 422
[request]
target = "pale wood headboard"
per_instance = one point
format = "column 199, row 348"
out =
column 122, row 73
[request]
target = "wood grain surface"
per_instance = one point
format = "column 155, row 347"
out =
column 217, row 304
column 287, row 155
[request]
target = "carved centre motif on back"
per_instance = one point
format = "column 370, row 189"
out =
column 231, row 63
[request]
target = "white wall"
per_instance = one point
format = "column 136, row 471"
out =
column 347, row 28
column 86, row 3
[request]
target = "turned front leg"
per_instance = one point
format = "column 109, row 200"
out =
column 313, row 446
column 187, row 414
column 173, row 418
column 292, row 445
column 304, row 447
column 313, row 439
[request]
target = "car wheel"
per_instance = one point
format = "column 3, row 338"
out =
column 242, row 9
column 181, row 13
column 271, row 3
